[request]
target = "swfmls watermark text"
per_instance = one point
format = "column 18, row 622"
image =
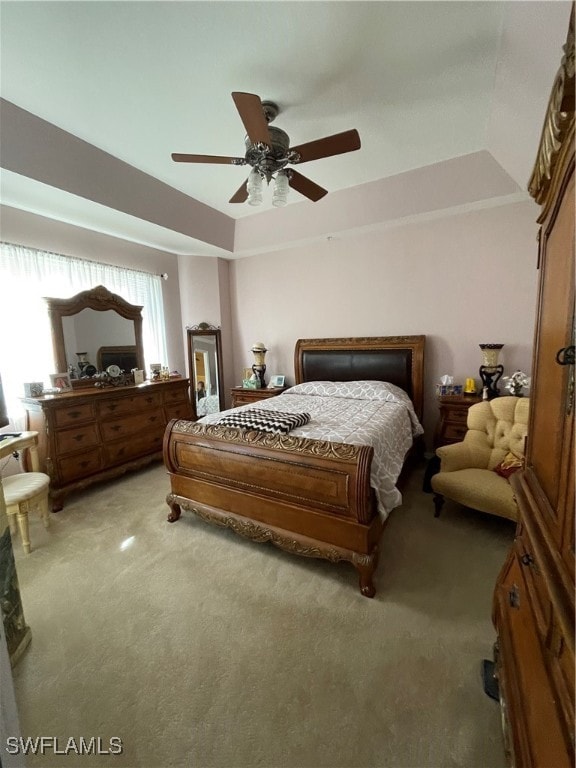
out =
column 81, row 745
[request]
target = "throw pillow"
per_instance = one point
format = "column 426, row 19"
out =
column 509, row 464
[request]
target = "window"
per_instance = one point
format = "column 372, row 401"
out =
column 26, row 277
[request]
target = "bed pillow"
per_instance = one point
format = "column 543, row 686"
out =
column 275, row 422
column 356, row 390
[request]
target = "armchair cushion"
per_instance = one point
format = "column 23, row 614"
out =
column 480, row 489
column 496, row 428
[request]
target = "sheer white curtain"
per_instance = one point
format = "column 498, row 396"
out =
column 26, row 277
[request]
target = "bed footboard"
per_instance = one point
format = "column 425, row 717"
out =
column 308, row 497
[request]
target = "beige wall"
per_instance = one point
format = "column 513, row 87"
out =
column 205, row 298
column 462, row 280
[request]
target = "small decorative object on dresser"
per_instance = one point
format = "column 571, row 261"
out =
column 451, row 426
column 517, row 383
column 61, row 381
column 33, row 388
column 243, row 395
column 155, row 369
column 277, row 381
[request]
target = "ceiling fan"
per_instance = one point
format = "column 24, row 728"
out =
column 268, row 152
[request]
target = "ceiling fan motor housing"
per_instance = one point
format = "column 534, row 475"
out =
column 269, row 160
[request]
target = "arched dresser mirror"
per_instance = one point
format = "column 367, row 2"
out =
column 205, row 368
column 94, row 330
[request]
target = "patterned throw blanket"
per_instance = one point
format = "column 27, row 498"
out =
column 276, row 422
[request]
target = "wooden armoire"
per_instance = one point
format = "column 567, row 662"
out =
column 534, row 596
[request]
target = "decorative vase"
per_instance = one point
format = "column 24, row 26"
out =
column 490, row 370
column 259, row 368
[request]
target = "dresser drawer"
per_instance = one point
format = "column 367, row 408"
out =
column 120, row 405
column 139, row 445
column 534, row 583
column 454, row 432
column 242, row 396
column 459, row 415
column 68, row 440
column 561, row 664
column 131, row 425
column 79, row 465
column 180, row 394
column 525, row 685
column 178, row 411
column 241, row 399
column 73, row 414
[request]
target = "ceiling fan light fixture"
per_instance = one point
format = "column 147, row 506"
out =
column 281, row 187
column 254, row 188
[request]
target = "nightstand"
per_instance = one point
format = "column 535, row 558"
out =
column 453, row 416
column 242, row 396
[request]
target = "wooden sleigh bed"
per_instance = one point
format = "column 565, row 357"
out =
column 308, row 497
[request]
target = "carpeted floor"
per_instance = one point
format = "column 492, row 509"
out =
column 197, row 648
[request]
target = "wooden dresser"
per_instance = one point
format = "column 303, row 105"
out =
column 534, row 596
column 242, row 396
column 453, row 417
column 95, row 434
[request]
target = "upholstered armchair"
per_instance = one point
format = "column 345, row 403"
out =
column 475, row 472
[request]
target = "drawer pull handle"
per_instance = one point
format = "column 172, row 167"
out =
column 74, row 414
column 116, row 428
column 514, row 597
column 527, row 559
column 112, row 406
column 84, row 464
column 566, row 356
column 79, row 438
column 149, row 399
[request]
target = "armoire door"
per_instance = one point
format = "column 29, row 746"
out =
column 548, row 458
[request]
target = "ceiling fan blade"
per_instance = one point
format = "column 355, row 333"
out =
column 241, row 194
column 252, row 113
column 306, row 187
column 180, row 158
column 347, row 141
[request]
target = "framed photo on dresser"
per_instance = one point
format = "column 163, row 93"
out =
column 61, row 381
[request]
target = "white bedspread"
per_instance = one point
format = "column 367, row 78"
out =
column 359, row 413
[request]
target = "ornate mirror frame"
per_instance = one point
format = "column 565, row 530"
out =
column 199, row 331
column 101, row 300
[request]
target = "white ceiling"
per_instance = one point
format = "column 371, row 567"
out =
column 140, row 80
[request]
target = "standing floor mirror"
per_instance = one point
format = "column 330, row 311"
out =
column 205, row 369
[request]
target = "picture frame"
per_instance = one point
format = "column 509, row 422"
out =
column 277, row 380
column 33, row 388
column 61, row 382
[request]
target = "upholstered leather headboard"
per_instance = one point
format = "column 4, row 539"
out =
column 396, row 359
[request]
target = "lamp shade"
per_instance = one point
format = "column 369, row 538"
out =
column 259, row 351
